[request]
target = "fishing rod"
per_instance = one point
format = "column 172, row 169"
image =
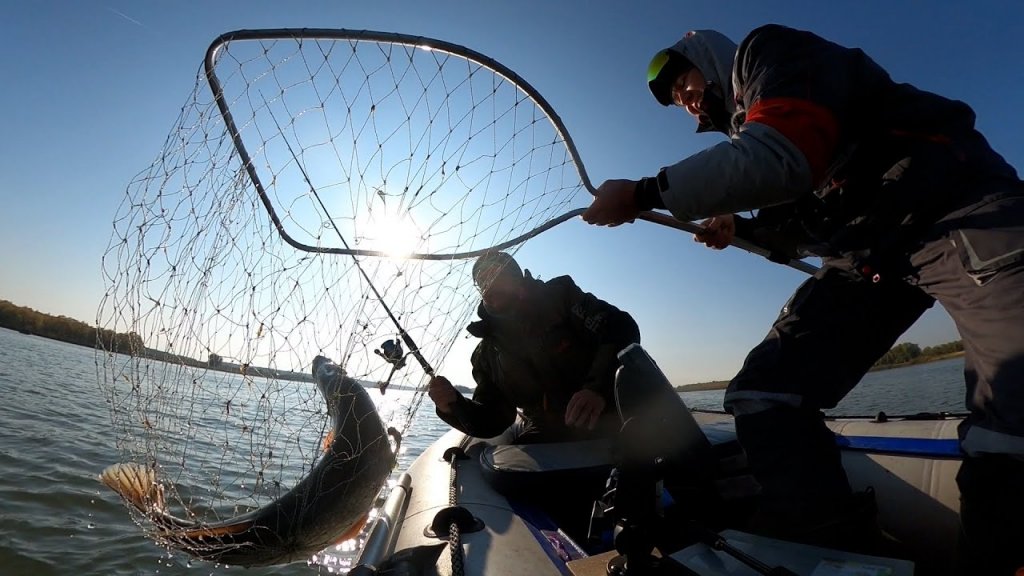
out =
column 413, row 348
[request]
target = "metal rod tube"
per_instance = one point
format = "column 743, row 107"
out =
column 384, row 532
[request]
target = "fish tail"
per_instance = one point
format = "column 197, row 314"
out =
column 137, row 485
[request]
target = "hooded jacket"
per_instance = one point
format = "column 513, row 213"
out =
column 827, row 146
column 562, row 341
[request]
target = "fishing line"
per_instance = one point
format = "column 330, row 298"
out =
column 413, row 348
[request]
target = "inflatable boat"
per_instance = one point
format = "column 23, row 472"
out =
column 670, row 496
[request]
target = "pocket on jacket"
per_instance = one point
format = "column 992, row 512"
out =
column 990, row 238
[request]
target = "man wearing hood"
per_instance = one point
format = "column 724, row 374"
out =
column 546, row 348
column 906, row 203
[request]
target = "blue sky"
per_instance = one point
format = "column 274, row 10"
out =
column 92, row 88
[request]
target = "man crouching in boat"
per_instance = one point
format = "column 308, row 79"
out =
column 548, row 349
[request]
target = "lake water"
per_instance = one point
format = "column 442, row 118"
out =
column 55, row 437
column 932, row 387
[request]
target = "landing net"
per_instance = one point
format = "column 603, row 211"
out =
column 320, row 192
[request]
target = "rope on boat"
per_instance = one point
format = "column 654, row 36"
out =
column 454, row 533
column 453, row 521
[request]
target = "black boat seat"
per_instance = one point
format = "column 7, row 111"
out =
column 514, row 469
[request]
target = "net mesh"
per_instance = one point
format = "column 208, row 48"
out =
column 342, row 180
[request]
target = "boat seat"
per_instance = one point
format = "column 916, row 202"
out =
column 514, row 469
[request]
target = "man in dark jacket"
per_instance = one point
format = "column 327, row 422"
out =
column 906, row 203
column 546, row 348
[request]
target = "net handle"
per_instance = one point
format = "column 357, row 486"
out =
column 669, row 221
column 432, row 44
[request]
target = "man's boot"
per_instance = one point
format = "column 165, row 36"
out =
column 805, row 495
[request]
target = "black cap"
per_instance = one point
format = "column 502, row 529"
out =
column 494, row 264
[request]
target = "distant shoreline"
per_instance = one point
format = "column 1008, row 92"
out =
column 230, row 368
column 723, row 384
column 64, row 329
column 699, row 386
column 919, row 360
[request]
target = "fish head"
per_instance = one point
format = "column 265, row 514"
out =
column 334, row 385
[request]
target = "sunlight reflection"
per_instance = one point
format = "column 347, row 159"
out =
column 392, row 233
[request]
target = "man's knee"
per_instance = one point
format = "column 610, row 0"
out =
column 781, row 427
column 742, row 402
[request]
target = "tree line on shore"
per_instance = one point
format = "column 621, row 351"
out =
column 910, row 353
column 29, row 321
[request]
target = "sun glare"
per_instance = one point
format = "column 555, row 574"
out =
column 393, row 234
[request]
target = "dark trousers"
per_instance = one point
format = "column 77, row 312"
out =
column 838, row 323
column 992, row 514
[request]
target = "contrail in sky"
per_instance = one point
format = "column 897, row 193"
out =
column 126, row 17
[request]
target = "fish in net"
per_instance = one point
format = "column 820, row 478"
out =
column 302, row 243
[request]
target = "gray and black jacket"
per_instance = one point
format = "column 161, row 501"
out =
column 564, row 341
column 836, row 157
